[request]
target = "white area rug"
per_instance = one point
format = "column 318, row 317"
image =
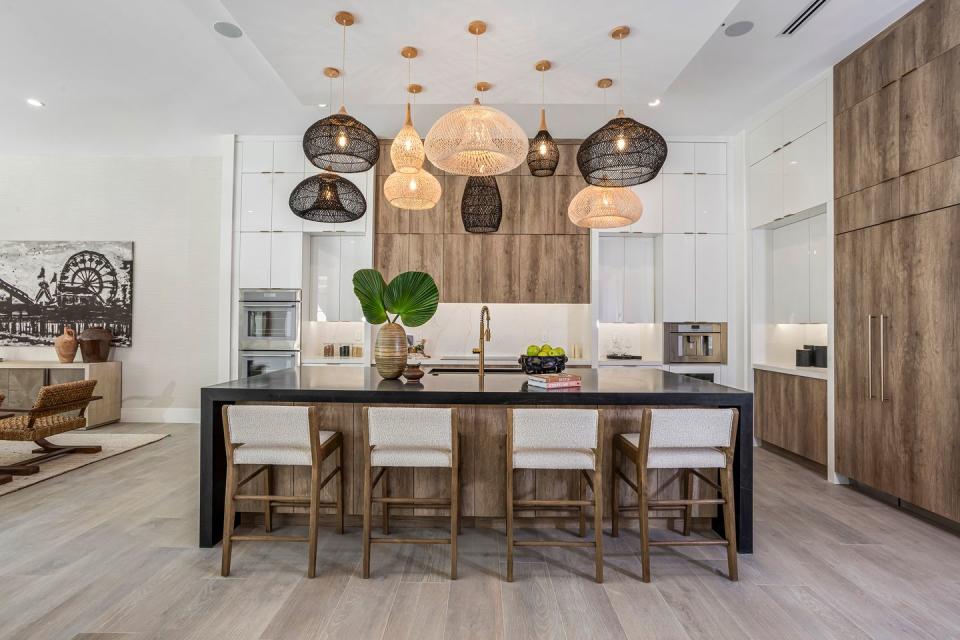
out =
column 112, row 443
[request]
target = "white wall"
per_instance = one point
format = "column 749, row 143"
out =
column 169, row 208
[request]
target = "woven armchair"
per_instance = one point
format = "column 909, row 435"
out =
column 58, row 408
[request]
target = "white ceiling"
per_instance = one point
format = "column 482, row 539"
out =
column 145, row 77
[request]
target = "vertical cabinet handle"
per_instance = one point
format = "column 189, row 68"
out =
column 870, row 356
column 883, row 358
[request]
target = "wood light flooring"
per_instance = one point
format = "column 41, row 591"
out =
column 110, row 551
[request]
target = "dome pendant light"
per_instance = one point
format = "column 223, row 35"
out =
column 623, row 152
column 340, row 142
column 481, row 207
column 327, row 197
column 544, row 155
column 476, row 140
column 605, row 207
column 406, row 151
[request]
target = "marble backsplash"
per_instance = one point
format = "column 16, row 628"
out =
column 640, row 339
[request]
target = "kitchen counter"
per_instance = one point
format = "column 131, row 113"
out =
column 620, row 395
column 820, row 373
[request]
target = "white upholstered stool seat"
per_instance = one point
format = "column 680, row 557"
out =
column 291, row 454
column 553, row 459
column 410, row 457
column 679, row 457
column 556, row 439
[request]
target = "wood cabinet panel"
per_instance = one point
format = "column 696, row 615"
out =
column 930, row 113
column 500, row 268
column 933, row 187
column 928, row 32
column 462, row 259
column 392, row 255
column 452, row 196
column 510, row 200
column 791, row 413
column 426, row 254
column 389, row 218
column 429, row 220
column 556, row 269
column 568, row 160
column 873, row 205
column 538, row 204
column 865, row 142
column 566, row 188
column 867, row 71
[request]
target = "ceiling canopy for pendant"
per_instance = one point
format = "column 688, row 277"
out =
column 412, row 191
column 327, row 197
column 481, row 207
column 604, row 207
column 476, row 140
column 543, row 155
column 340, row 142
column 623, row 152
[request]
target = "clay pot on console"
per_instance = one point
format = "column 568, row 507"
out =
column 66, row 345
column 95, row 344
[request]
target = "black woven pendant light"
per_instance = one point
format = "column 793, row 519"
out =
column 481, row 207
column 622, row 152
column 340, row 142
column 544, row 155
column 326, row 197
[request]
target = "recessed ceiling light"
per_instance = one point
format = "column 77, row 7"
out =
column 322, row 105
column 33, row 102
column 227, row 29
column 738, row 29
column 654, row 103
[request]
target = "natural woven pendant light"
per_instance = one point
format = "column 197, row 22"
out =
column 543, row 155
column 340, row 142
column 481, row 207
column 604, row 207
column 406, row 151
column 623, row 152
column 476, row 140
column 412, row 191
column 327, row 197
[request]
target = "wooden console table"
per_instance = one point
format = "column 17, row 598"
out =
column 20, row 381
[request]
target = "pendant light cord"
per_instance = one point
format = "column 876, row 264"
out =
column 343, row 70
column 330, row 97
column 541, row 88
column 620, row 79
column 476, row 65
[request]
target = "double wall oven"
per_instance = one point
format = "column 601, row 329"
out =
column 269, row 332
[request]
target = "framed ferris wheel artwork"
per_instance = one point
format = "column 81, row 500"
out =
column 47, row 285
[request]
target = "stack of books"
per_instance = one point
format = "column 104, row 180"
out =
column 554, row 381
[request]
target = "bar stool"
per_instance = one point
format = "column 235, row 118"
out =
column 684, row 439
column 409, row 437
column 556, row 439
column 269, row 435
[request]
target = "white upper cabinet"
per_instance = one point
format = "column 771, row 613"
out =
column 820, row 238
column 288, row 156
column 255, row 201
column 256, row 156
column 286, row 260
column 354, row 255
column 611, row 261
column 254, row 271
column 711, row 203
column 765, row 190
column 639, row 278
column 651, row 195
column 679, row 277
column 805, row 113
column 805, row 171
column 791, row 273
column 710, row 286
column 680, row 158
column 324, row 285
column 710, row 157
column 764, row 139
column 282, row 218
column 679, row 203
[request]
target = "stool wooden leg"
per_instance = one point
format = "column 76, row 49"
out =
column 729, row 526
column 598, row 518
column 367, row 508
column 459, row 488
column 509, row 520
column 384, row 493
column 340, row 490
column 314, row 516
column 687, row 492
column 583, row 511
column 644, row 522
column 614, row 496
column 454, row 517
column 228, row 518
column 267, row 507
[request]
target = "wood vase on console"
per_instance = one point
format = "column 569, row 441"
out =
column 390, row 351
column 95, row 344
column 66, row 345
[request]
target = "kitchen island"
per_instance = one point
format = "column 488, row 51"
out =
column 342, row 392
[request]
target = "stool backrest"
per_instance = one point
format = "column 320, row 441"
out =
column 267, row 425
column 410, row 427
column 681, row 428
column 554, row 428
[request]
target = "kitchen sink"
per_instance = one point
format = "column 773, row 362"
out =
column 474, row 370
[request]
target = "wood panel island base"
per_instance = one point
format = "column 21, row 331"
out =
column 341, row 393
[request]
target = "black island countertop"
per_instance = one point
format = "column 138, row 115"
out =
column 348, row 385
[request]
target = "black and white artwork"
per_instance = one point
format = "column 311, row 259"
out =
column 45, row 286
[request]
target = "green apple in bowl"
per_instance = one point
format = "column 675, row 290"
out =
column 533, row 350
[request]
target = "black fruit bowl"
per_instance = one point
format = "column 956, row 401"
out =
column 542, row 364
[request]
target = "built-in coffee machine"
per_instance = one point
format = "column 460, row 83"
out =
column 695, row 342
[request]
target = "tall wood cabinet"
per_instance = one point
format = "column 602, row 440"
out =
column 897, row 260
